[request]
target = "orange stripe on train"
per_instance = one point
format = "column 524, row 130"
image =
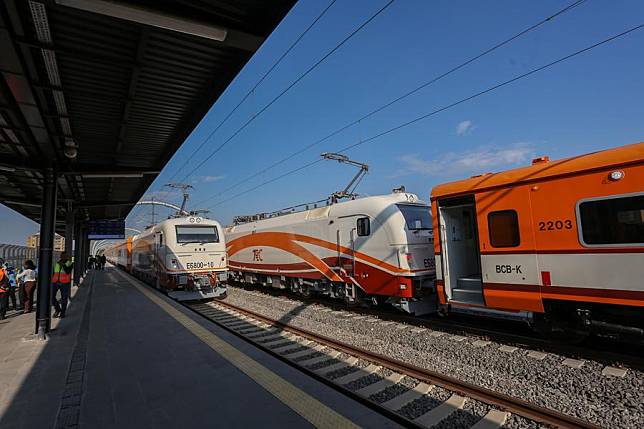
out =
column 276, row 239
column 282, row 241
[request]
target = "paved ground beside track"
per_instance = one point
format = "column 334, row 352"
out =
column 129, row 357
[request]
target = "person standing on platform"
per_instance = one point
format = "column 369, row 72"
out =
column 13, row 287
column 103, row 261
column 28, row 278
column 21, row 287
column 61, row 281
column 4, row 291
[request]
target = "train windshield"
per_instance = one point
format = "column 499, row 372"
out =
column 416, row 217
column 197, row 234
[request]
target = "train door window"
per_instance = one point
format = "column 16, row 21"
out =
column 503, row 228
column 363, row 227
column 612, row 221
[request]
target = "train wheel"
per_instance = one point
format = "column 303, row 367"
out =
column 558, row 330
column 305, row 291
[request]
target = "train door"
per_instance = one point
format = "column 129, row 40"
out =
column 351, row 233
column 461, row 258
column 345, row 236
column 509, row 262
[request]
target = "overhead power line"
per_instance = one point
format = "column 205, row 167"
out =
column 444, row 108
column 288, row 88
column 252, row 90
column 400, row 98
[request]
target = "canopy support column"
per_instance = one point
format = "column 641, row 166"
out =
column 47, row 228
column 69, row 228
column 78, row 261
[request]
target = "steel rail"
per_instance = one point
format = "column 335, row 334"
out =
column 390, row 414
column 604, row 353
column 514, row 405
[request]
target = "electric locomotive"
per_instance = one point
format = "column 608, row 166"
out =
column 185, row 257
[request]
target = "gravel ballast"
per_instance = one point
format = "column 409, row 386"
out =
column 611, row 402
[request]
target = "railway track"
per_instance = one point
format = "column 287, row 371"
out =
column 345, row 368
column 607, row 352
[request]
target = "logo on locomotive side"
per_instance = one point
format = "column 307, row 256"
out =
column 257, row 255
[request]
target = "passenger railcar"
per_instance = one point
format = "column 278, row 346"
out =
column 184, row 257
column 560, row 242
column 372, row 249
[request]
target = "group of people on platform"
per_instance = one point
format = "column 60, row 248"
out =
column 97, row 262
column 24, row 282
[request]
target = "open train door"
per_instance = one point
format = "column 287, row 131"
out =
column 461, row 258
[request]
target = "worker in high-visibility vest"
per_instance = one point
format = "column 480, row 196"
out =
column 61, row 281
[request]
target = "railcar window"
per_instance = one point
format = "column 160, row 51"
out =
column 197, row 234
column 363, row 226
column 613, row 221
column 503, row 227
column 416, row 217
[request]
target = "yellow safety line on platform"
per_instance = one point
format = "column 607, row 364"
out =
column 318, row 414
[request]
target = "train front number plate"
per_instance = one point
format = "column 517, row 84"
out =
column 199, row 265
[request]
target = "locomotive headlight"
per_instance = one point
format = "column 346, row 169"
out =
column 616, row 175
column 173, row 262
column 403, row 286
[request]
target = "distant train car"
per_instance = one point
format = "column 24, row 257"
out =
column 372, row 249
column 120, row 254
column 560, row 242
column 184, row 257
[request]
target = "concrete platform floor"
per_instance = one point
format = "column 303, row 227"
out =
column 128, row 357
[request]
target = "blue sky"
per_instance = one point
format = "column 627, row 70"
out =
column 589, row 103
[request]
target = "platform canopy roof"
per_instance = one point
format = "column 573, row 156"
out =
column 122, row 82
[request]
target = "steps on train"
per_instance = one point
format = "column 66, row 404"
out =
column 468, row 290
column 468, row 296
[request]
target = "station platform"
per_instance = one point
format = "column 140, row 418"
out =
column 128, row 357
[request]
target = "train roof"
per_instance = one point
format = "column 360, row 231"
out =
column 543, row 169
column 360, row 205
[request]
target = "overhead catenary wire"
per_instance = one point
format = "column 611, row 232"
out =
column 252, row 90
column 400, row 98
column 442, row 109
column 288, row 88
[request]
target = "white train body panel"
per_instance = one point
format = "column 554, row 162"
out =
column 381, row 244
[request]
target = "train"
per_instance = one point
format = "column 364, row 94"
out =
column 184, row 257
column 376, row 249
column 558, row 244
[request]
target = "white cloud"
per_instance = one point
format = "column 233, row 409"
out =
column 475, row 161
column 210, row 179
column 464, row 128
